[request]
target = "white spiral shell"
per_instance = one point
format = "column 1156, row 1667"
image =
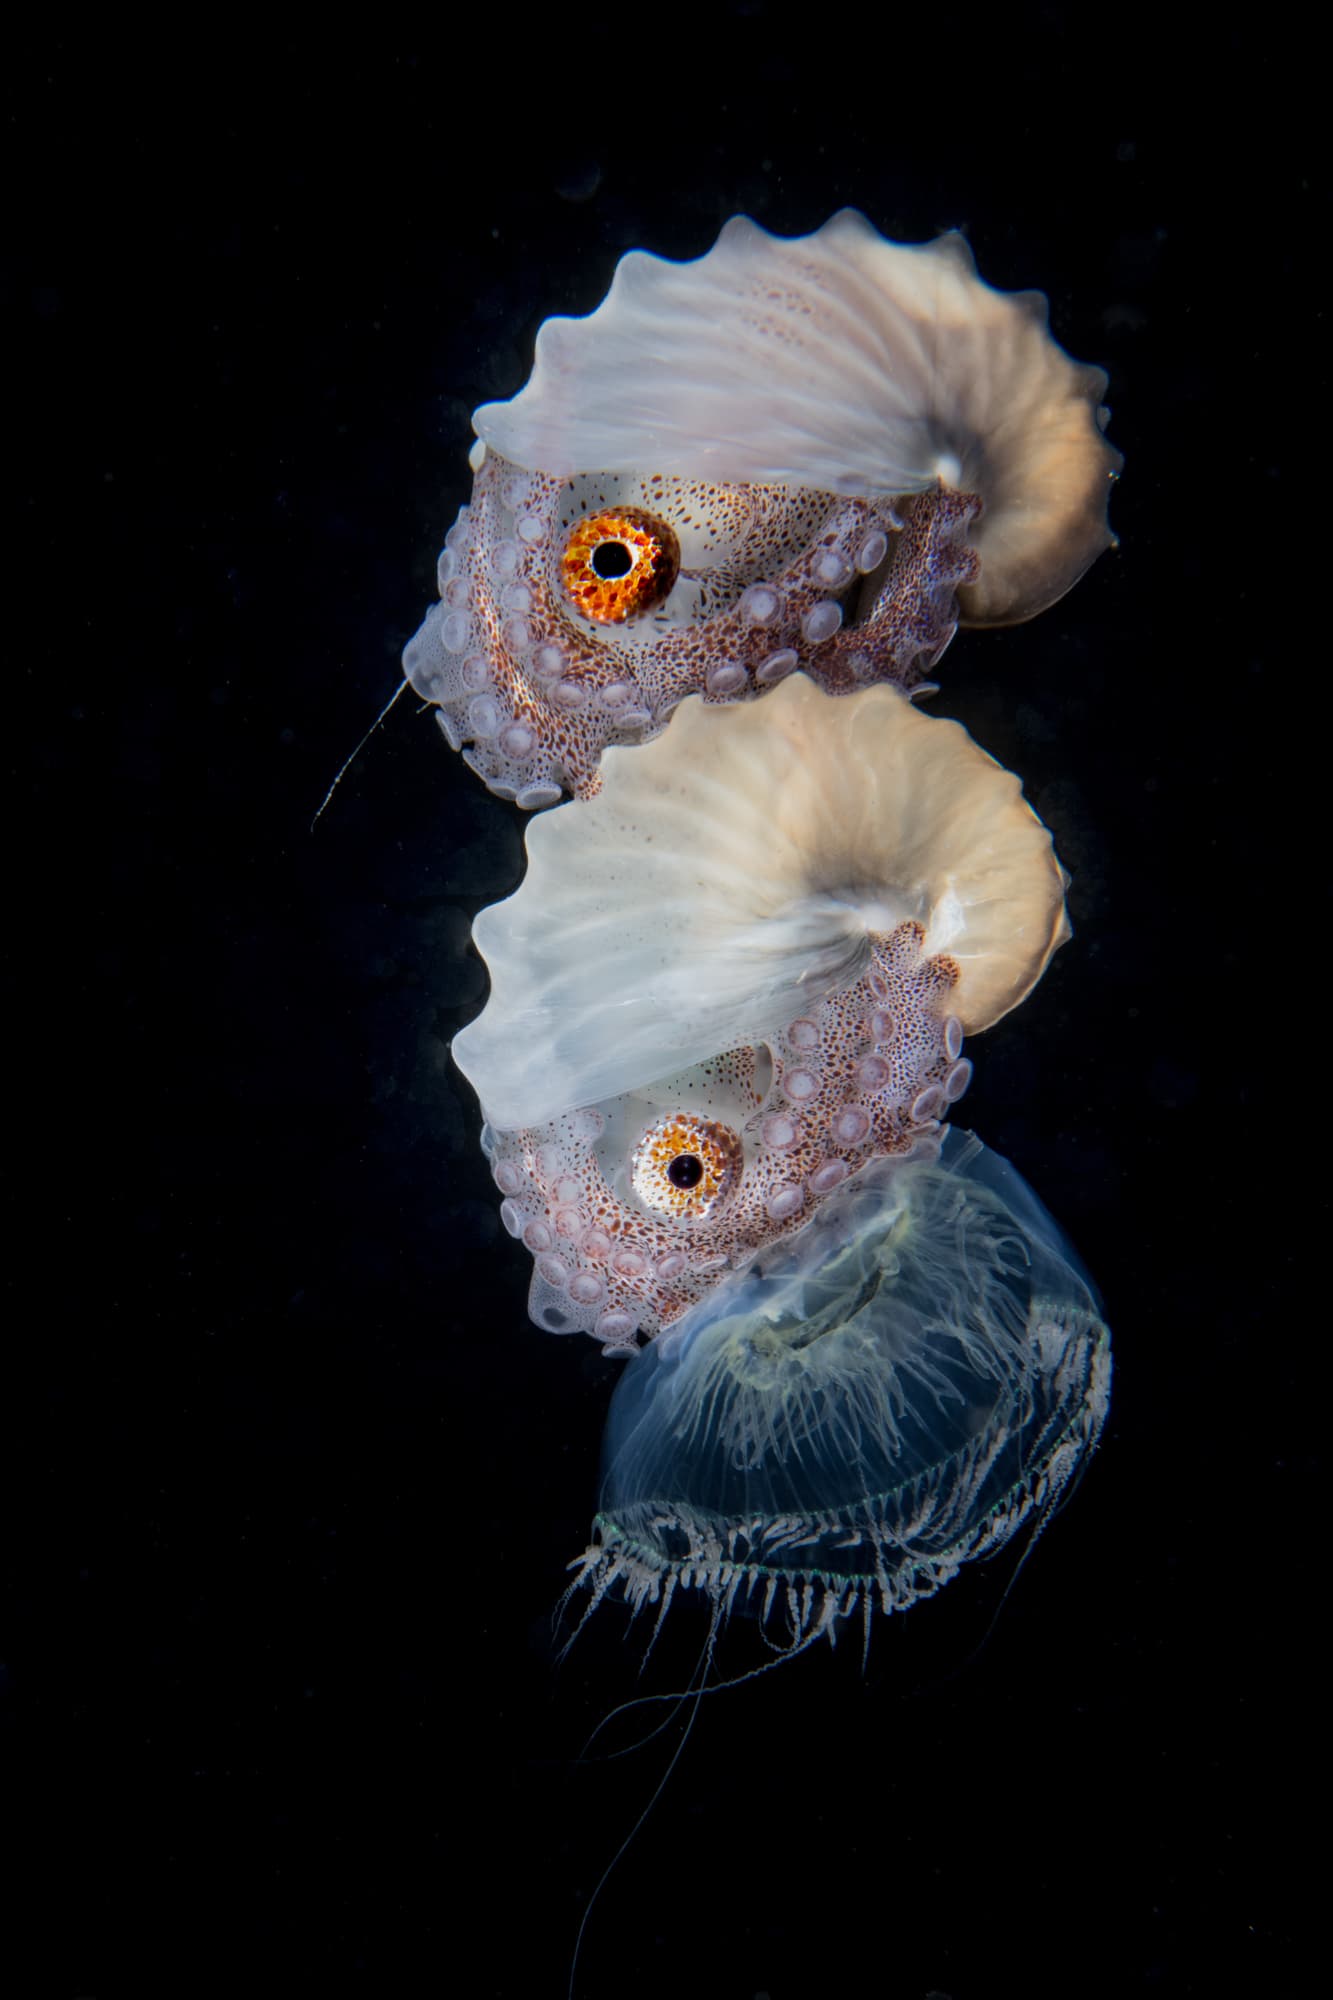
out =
column 728, row 877
column 838, row 361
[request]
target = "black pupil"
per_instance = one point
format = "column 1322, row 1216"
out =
column 686, row 1170
column 610, row 560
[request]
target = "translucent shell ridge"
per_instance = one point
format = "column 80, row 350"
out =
column 839, row 361
column 728, row 878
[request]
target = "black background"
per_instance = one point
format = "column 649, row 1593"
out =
column 293, row 1480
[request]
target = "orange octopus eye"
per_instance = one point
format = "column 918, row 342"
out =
column 684, row 1166
column 619, row 563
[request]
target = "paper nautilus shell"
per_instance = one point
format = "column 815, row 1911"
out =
column 737, row 976
column 818, row 452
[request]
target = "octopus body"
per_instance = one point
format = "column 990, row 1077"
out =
column 818, row 452
column 768, row 580
column 632, row 1209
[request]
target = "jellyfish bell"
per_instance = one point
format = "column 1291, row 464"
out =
column 734, row 978
column 887, row 1395
column 815, row 452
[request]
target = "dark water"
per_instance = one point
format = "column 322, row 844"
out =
column 294, row 1482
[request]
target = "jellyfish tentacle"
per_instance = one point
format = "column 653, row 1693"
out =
column 743, row 1454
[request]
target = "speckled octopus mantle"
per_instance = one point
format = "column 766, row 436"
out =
column 848, row 591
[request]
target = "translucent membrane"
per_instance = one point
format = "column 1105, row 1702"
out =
column 876, row 1401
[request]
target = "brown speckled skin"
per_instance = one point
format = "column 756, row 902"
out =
column 502, row 602
column 866, row 1074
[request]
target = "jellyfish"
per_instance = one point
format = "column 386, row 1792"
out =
column 815, row 453
column 735, row 979
column 887, row 1395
